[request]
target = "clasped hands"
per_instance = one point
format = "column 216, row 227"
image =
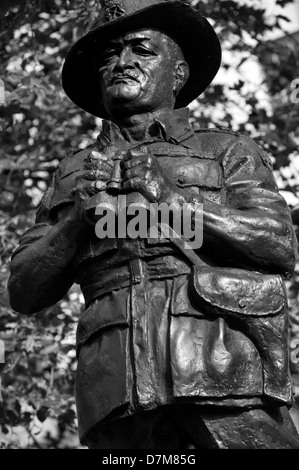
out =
column 140, row 171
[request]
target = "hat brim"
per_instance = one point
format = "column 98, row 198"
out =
column 193, row 33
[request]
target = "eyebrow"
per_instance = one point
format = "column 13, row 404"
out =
column 138, row 39
column 115, row 43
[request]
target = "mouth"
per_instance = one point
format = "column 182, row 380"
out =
column 124, row 78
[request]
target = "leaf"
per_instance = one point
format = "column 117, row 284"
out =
column 30, row 342
column 42, row 413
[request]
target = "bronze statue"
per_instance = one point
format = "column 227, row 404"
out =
column 177, row 348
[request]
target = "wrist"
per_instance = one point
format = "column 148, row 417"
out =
column 179, row 196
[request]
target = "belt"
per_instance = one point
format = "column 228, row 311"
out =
column 133, row 272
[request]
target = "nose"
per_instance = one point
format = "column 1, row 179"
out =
column 125, row 60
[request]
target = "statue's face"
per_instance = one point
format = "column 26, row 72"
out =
column 137, row 73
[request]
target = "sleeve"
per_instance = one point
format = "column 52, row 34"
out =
column 253, row 227
column 41, row 266
column 42, row 223
column 57, row 196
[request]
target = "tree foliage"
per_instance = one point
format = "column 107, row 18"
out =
column 39, row 125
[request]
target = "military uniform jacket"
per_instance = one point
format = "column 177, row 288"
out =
column 157, row 330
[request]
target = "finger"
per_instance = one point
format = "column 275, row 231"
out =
column 82, row 175
column 141, row 171
column 97, row 175
column 133, row 154
column 134, row 183
column 97, row 164
column 95, row 158
column 89, row 187
column 103, row 175
column 100, row 185
column 145, row 160
column 94, row 155
column 98, row 156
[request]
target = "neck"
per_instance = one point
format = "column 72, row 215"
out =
column 137, row 127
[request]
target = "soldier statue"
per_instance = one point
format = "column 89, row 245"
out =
column 177, row 348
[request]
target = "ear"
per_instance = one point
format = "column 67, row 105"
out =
column 181, row 75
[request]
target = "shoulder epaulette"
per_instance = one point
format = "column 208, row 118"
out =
column 223, row 130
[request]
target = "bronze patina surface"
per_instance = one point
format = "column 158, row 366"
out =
column 174, row 351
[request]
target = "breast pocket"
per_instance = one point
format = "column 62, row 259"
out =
column 201, row 176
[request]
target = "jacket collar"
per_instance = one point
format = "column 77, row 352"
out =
column 172, row 126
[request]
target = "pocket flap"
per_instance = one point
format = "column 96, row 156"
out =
column 109, row 311
column 238, row 291
column 201, row 173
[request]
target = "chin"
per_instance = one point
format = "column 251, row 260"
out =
column 124, row 100
column 124, row 91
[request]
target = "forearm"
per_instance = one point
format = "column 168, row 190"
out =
column 41, row 272
column 254, row 238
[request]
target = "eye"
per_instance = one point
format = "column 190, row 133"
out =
column 144, row 51
column 108, row 55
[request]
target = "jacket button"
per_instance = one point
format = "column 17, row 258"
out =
column 242, row 303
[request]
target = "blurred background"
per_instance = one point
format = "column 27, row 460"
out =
column 256, row 92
